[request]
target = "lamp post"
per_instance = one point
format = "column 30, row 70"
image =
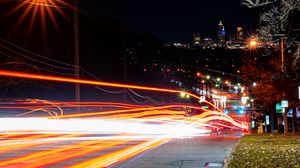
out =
column 76, row 55
column 44, row 6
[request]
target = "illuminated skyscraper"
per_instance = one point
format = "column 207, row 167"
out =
column 197, row 39
column 239, row 34
column 221, row 35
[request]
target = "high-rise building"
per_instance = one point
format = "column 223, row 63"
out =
column 197, row 39
column 239, row 34
column 221, row 35
column 208, row 43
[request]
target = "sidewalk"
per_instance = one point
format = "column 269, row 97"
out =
column 267, row 150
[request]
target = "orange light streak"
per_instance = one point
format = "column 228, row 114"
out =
column 92, row 82
column 113, row 112
column 27, row 138
column 120, row 155
column 88, row 82
column 45, row 153
column 17, row 146
column 129, row 110
column 60, row 156
column 207, row 119
column 146, row 114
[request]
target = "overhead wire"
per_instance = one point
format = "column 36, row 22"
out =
column 84, row 73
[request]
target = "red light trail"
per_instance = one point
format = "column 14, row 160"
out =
column 146, row 127
column 88, row 82
column 92, row 82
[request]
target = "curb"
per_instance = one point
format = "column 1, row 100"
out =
column 228, row 158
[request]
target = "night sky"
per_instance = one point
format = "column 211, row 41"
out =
column 104, row 27
column 176, row 21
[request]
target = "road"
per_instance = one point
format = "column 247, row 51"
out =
column 106, row 134
column 201, row 151
column 33, row 149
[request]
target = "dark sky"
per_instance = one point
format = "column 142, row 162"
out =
column 176, row 21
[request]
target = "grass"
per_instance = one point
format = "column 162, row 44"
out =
column 267, row 151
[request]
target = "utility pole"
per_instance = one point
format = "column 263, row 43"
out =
column 124, row 62
column 282, row 38
column 76, row 55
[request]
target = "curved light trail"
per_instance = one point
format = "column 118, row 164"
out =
column 100, row 127
column 97, row 83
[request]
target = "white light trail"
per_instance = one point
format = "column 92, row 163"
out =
column 100, row 126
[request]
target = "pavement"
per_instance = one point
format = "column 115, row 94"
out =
column 201, row 151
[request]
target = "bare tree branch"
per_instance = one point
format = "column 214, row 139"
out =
column 296, row 60
column 257, row 3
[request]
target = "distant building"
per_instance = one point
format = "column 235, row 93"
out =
column 208, row 43
column 221, row 35
column 239, row 33
column 197, row 39
column 236, row 41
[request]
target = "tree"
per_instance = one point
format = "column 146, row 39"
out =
column 276, row 26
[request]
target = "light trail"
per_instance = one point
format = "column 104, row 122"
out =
column 9, row 147
column 130, row 110
column 23, row 138
column 131, row 126
column 88, row 82
column 153, row 125
column 121, row 155
column 46, row 159
column 211, row 118
column 97, row 83
column 45, row 153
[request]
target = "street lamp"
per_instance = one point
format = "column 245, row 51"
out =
column 76, row 54
column 253, row 43
column 44, row 7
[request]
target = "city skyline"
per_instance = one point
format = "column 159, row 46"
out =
column 171, row 21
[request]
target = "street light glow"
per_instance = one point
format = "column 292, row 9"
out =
column 42, row 9
column 182, row 94
column 253, row 43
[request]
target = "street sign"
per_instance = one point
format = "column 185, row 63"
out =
column 223, row 99
column 253, row 124
column 202, row 99
column 267, row 119
column 278, row 108
column 205, row 107
column 244, row 100
column 284, row 103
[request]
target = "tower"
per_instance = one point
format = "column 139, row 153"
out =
column 221, row 34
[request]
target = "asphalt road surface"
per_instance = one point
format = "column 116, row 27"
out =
column 33, row 149
column 201, row 151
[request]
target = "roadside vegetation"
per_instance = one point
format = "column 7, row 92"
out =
column 267, row 151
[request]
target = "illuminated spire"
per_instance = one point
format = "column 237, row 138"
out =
column 221, row 24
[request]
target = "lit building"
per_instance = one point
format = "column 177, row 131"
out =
column 239, row 33
column 208, row 43
column 236, row 41
column 197, row 39
column 221, row 35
